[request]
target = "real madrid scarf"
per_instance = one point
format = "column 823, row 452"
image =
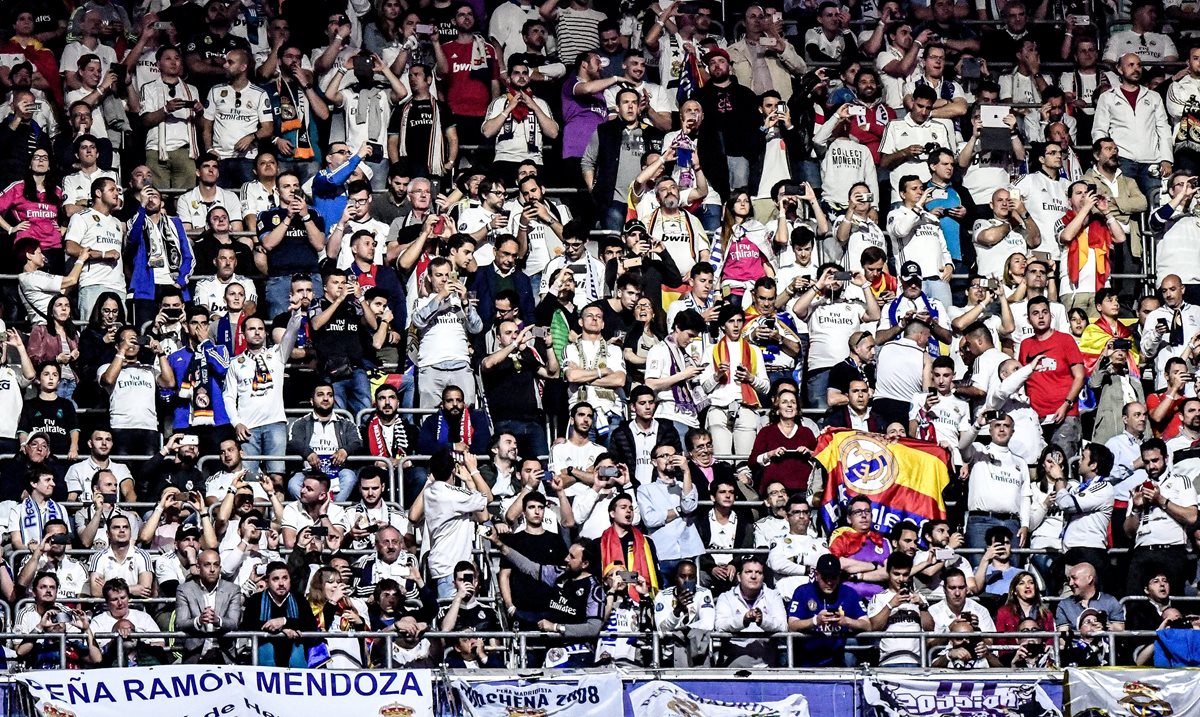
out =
column 32, row 521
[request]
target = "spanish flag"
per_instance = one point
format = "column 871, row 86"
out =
column 1097, row 335
column 904, row 480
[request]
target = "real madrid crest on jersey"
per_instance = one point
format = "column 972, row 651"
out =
column 224, row 93
column 275, row 219
column 208, row 41
column 96, row 218
column 242, row 359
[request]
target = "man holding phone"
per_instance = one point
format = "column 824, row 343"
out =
column 999, row 488
column 1170, row 328
column 685, row 613
column 899, row 609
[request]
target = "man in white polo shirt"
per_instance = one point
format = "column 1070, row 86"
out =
column 906, row 141
column 96, row 237
column 1009, row 231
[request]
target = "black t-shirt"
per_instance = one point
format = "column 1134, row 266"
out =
column 443, row 17
column 417, row 126
column 56, row 418
column 46, row 17
column 614, row 321
column 209, row 46
column 205, row 249
column 188, row 19
column 478, row 617
column 512, row 394
column 531, row 595
column 843, row 373
column 342, row 337
column 295, row 254
column 303, row 336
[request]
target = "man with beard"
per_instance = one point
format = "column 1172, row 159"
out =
column 681, row 232
column 1125, row 200
column 205, row 54
column 49, row 555
column 47, row 616
column 575, row 611
column 1160, row 511
column 1145, row 135
column 372, row 514
column 653, row 102
column 207, row 608
column 587, row 272
column 325, row 439
column 518, row 122
column 903, row 147
column 512, row 379
column 536, row 220
column 254, row 389
column 132, row 387
column 92, row 520
column 78, row 477
column 237, row 116
column 173, row 465
column 613, row 157
column 390, row 438
column 313, row 507
column 275, row 610
column 454, row 425
column 472, row 73
column 170, row 107
column 729, row 108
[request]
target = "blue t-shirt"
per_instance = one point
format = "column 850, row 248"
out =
column 996, row 582
column 950, row 226
column 823, row 647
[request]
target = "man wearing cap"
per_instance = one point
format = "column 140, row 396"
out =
column 613, row 157
column 827, row 610
column 913, row 304
column 730, row 110
column 650, row 257
column 917, row 238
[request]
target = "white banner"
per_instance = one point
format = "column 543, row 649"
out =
column 1161, row 693
column 663, row 699
column 968, row 696
column 226, row 691
column 585, row 696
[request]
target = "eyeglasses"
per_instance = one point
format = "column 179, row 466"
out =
column 340, row 151
column 861, row 511
column 359, row 202
column 505, row 311
column 664, row 455
column 237, row 99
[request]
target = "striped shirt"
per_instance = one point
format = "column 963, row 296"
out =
column 578, row 31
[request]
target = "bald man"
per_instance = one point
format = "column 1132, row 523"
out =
column 1085, row 593
column 1144, row 135
column 1169, row 328
column 207, row 608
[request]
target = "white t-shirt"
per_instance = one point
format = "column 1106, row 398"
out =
column 942, row 616
column 900, row 369
column 603, row 400
column 69, row 62
column 131, row 398
column 174, row 132
column 77, row 187
column 235, row 114
column 99, row 126
column 257, row 199
column 518, row 141
column 210, row 292
column 449, row 525
column 357, row 119
column 296, row 518
column 37, row 289
column 92, row 230
column 830, row 325
column 255, row 398
column 79, row 476
column 12, row 399
column 991, row 261
column 192, row 209
column 1156, row 526
column 905, row 617
column 865, row 233
column 1046, row 200
column 901, row 133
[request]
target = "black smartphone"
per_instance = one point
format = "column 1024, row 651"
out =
column 319, row 531
column 990, row 416
column 372, row 528
column 842, row 276
column 361, row 65
column 1124, row 344
column 110, row 498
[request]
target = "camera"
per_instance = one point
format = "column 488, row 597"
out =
column 1034, row 648
column 1123, row 344
column 63, row 618
column 627, row 575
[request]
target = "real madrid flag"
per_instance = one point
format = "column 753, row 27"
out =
column 904, row 480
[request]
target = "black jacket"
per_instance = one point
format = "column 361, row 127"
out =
column 609, row 152
column 484, row 284
column 624, row 450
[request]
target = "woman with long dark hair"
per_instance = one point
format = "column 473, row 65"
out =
column 746, row 251
column 36, row 204
column 645, row 333
column 57, row 341
column 98, row 344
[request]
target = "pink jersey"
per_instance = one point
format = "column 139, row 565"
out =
column 41, row 215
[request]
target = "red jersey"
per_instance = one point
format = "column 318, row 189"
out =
column 1170, row 429
column 1051, row 382
column 467, row 92
column 868, row 130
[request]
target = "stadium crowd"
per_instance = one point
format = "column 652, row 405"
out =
column 477, row 317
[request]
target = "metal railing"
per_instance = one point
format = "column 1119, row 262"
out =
column 518, row 642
